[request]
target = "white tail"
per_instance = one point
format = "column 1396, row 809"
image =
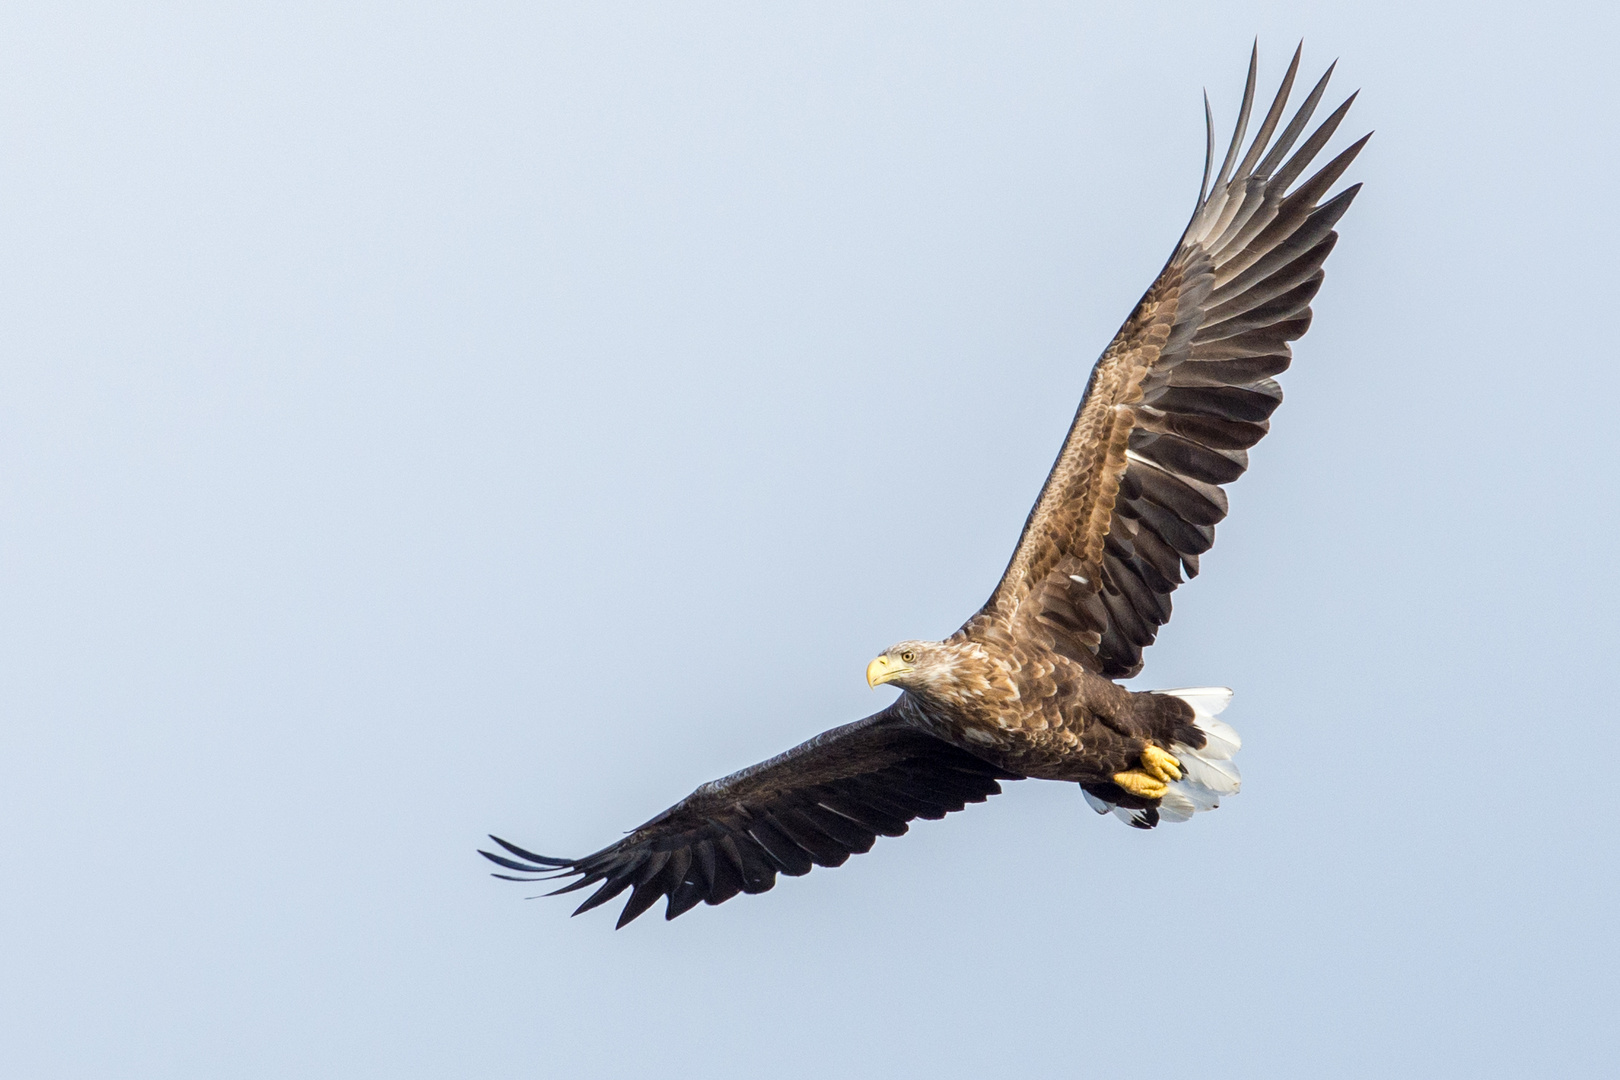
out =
column 1206, row 773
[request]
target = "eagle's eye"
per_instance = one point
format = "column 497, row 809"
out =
column 908, row 656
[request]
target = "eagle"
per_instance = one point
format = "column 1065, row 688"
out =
column 1027, row 687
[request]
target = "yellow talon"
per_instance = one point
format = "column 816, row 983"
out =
column 1140, row 784
column 1160, row 765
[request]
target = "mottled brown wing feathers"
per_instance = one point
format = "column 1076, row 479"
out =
column 1178, row 397
column 814, row 805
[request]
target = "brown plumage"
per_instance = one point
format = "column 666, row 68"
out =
column 1024, row 688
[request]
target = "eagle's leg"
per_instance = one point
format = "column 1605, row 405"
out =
column 1149, row 782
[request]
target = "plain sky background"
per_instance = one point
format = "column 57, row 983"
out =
column 425, row 420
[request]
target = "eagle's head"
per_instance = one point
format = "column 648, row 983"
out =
column 913, row 665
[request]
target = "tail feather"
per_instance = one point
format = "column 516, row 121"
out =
column 1205, row 700
column 1220, row 741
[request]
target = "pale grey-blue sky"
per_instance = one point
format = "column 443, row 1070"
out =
column 419, row 421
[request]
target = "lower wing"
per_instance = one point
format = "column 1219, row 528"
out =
column 815, row 805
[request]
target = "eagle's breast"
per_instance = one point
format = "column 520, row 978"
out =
column 1013, row 704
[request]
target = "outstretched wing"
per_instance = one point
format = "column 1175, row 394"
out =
column 813, row 806
column 1178, row 397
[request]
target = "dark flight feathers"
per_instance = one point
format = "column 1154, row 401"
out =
column 815, row 805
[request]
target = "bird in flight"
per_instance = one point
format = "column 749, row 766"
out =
column 1026, row 688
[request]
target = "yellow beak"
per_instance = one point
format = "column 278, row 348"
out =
column 884, row 669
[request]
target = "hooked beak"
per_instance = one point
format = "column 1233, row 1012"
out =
column 885, row 669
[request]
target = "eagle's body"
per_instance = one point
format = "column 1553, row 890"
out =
column 1033, row 711
column 1026, row 687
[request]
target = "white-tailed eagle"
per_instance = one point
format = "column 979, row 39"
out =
column 1026, row 687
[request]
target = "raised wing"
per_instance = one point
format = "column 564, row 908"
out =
column 1178, row 397
column 815, row 805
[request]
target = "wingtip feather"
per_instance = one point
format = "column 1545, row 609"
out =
column 544, row 860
